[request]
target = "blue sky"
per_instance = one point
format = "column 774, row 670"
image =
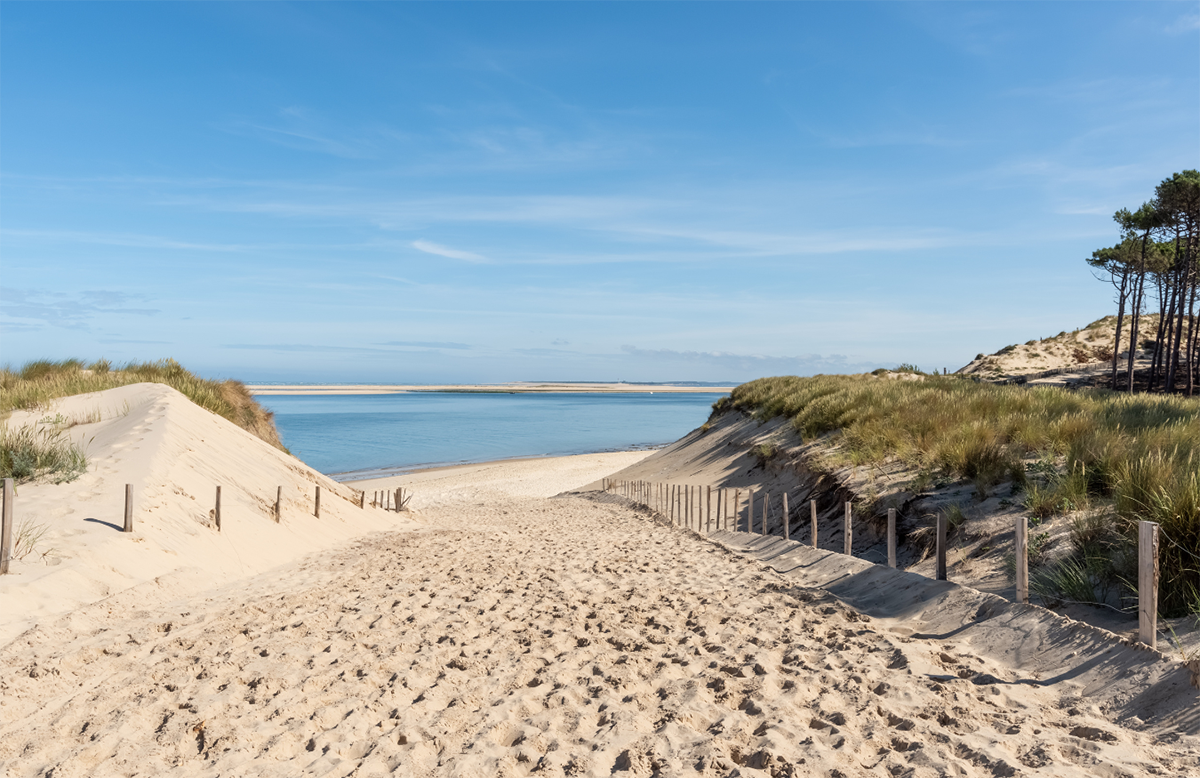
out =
column 616, row 191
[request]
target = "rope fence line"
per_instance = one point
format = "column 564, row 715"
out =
column 692, row 508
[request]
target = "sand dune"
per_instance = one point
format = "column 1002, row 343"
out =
column 506, row 632
column 175, row 454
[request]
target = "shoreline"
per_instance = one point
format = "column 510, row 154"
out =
column 516, row 387
column 384, row 473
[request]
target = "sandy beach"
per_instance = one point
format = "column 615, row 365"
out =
column 512, row 625
column 519, row 387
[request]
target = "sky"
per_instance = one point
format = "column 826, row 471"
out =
column 462, row 192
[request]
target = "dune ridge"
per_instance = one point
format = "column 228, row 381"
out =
column 175, row 454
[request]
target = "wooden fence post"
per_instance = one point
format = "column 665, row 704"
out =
column 891, row 537
column 399, row 496
column 766, row 509
column 217, row 511
column 6, row 526
column 720, row 507
column 812, row 505
column 279, row 503
column 128, row 508
column 317, row 506
column 708, row 512
column 787, row 534
column 1021, row 552
column 362, row 499
column 849, row 531
column 737, row 504
column 1148, row 583
column 750, row 511
column 940, row 571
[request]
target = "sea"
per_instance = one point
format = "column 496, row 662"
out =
column 374, row 435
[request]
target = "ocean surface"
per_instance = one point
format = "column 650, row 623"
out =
column 360, row 436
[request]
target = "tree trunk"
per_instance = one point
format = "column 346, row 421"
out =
column 1135, row 315
column 1122, row 295
column 1182, row 285
column 1190, row 349
column 1168, row 330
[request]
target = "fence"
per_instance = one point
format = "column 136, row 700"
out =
column 382, row 499
column 692, row 507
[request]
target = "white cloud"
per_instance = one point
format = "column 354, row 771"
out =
column 445, row 251
column 1184, row 24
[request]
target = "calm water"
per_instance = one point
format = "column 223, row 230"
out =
column 391, row 432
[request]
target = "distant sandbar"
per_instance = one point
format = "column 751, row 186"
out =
column 520, row 387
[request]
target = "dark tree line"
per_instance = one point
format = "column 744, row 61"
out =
column 1158, row 257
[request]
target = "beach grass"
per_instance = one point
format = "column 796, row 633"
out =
column 34, row 385
column 1129, row 457
column 40, row 451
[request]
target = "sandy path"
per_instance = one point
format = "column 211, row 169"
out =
column 525, row 634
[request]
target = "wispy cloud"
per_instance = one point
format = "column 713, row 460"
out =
column 72, row 311
column 135, row 342
column 445, row 251
column 760, row 364
column 305, row 347
column 425, row 344
column 545, row 352
column 1189, row 22
column 124, row 240
column 300, row 129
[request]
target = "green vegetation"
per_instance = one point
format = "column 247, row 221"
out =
column 43, row 450
column 765, row 453
column 1133, row 457
column 40, row 451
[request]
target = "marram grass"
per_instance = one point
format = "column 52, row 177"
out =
column 42, row 451
column 1137, row 455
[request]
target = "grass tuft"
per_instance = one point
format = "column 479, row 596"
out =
column 1070, row 450
column 37, row 383
column 40, row 452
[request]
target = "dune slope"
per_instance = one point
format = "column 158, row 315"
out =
column 175, row 454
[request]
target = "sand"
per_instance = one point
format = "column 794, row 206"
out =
column 516, row 387
column 174, row 454
column 506, row 631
